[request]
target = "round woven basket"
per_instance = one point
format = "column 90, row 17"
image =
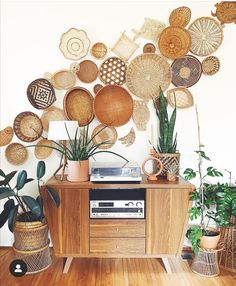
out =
column 30, row 235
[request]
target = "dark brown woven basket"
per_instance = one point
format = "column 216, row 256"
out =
column 168, row 160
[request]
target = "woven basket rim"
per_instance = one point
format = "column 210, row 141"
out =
column 31, row 251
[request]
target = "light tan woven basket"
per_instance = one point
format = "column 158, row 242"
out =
column 180, row 97
column 16, row 153
column 210, row 65
column 6, row 136
column 180, row 17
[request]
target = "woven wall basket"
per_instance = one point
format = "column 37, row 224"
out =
column 167, row 160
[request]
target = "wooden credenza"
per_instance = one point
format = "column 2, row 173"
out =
column 160, row 234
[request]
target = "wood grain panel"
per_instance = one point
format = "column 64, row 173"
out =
column 117, row 228
column 117, row 245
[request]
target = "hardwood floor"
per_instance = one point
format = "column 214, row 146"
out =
column 111, row 272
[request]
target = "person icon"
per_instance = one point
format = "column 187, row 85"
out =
column 18, row 269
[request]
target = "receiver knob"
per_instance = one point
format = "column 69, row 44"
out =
column 130, row 204
column 138, row 204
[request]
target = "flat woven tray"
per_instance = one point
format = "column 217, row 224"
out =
column 146, row 74
column 113, row 71
column 149, row 48
column 99, row 50
column 62, row 79
column 16, row 153
column 186, row 71
column 180, row 97
column 107, row 134
column 174, row 42
column 40, row 93
column 78, row 105
column 6, row 136
column 87, row 72
column 206, row 34
column 141, row 114
column 210, row 65
column 51, row 114
column 113, row 105
column 43, row 152
column 27, row 126
column 180, row 16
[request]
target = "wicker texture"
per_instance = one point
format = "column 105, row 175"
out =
column 6, row 136
column 149, row 48
column 210, row 65
column 128, row 139
column 62, row 79
column 113, row 71
column 97, row 87
column 87, row 72
column 146, row 74
column 168, row 160
column 205, row 263
column 27, row 126
column 99, row 50
column 113, row 105
column 140, row 115
column 180, row 97
column 43, row 152
column 36, row 260
column 78, row 105
column 16, row 154
column 186, row 71
column 107, row 134
column 227, row 257
column 174, row 42
column 207, row 36
column 225, row 12
column 51, row 114
column 180, row 17
column 41, row 93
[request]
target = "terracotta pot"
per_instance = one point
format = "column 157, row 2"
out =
column 78, row 171
column 210, row 242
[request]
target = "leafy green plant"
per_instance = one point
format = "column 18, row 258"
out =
column 81, row 148
column 167, row 140
column 22, row 207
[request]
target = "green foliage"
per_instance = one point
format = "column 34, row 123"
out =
column 25, row 205
column 167, row 140
column 193, row 234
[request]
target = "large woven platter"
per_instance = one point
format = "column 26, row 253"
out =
column 107, row 134
column 180, row 17
column 27, row 126
column 16, row 153
column 146, row 74
column 174, row 42
column 207, row 36
column 180, row 97
column 112, row 71
column 186, row 71
column 62, row 79
column 87, row 71
column 43, row 152
column 51, row 114
column 78, row 105
column 113, row 105
column 41, row 93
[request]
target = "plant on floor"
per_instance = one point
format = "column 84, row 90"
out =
column 22, row 207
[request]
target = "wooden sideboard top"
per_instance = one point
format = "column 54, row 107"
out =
column 160, row 183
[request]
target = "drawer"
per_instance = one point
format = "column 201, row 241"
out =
column 117, row 245
column 117, row 228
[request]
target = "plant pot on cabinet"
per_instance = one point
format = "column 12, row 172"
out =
column 78, row 171
column 168, row 160
column 211, row 240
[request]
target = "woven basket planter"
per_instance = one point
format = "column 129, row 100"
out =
column 30, row 235
column 167, row 160
column 227, row 257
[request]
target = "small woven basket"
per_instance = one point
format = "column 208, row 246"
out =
column 168, row 160
column 30, row 235
column 36, row 260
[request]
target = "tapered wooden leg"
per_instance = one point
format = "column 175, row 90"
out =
column 167, row 265
column 67, row 264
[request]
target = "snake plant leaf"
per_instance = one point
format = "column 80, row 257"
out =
column 41, row 169
column 8, row 206
column 33, row 205
column 21, row 179
column 12, row 218
column 53, row 195
column 5, row 192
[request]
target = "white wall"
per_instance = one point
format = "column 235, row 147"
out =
column 30, row 36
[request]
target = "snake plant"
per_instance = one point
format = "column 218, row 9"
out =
column 167, row 140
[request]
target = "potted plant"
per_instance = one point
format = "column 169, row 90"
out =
column 25, row 217
column 167, row 142
column 77, row 152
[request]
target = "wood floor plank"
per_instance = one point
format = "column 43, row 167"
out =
column 112, row 272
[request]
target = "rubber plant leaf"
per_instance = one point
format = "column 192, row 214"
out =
column 39, row 200
column 8, row 178
column 33, row 205
column 53, row 195
column 12, row 218
column 21, row 179
column 8, row 206
column 5, row 192
column 41, row 168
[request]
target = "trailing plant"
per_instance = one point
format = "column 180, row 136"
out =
column 81, row 148
column 167, row 141
column 23, row 207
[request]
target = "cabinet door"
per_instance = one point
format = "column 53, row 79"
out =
column 166, row 218
column 69, row 224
